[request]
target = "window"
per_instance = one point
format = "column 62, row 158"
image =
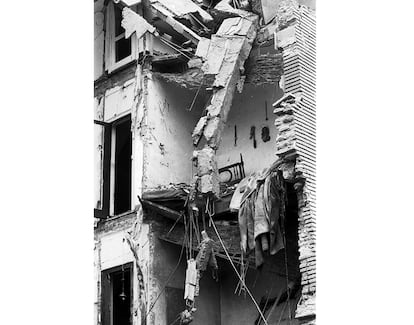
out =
column 113, row 167
column 117, row 295
column 119, row 50
column 102, row 168
column 121, row 162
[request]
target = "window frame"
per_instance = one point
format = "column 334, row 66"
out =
column 112, row 166
column 110, row 64
column 108, row 173
column 104, row 211
column 107, row 291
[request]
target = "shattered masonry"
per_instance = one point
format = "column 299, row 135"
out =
column 224, row 56
column 295, row 117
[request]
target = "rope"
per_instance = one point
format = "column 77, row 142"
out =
column 237, row 273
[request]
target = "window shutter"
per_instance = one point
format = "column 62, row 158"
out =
column 99, row 36
column 119, row 100
column 98, row 168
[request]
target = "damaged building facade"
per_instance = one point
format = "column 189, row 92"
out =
column 204, row 125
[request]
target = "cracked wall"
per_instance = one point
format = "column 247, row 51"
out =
column 168, row 140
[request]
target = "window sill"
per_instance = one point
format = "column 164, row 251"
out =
column 123, row 214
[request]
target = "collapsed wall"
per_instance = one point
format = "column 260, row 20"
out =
column 224, row 56
column 295, row 119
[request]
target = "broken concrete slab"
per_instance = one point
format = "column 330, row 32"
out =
column 207, row 171
column 168, row 17
column 215, row 55
column 202, row 48
column 205, row 161
column 237, row 26
column 183, row 7
column 198, row 130
column 224, row 7
column 222, row 98
column 209, row 184
column 226, row 54
column 134, row 23
column 212, row 131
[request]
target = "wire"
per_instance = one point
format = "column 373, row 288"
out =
column 174, row 46
column 283, row 310
column 175, row 223
column 175, row 321
column 195, row 97
column 235, row 269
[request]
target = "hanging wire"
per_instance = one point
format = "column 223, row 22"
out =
column 196, row 94
column 175, row 223
column 281, row 313
column 237, row 273
column 177, row 319
column 175, row 47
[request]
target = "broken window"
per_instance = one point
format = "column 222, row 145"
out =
column 117, row 295
column 113, row 175
column 119, row 50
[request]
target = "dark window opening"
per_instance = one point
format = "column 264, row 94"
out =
column 291, row 229
column 117, row 295
column 122, row 44
column 169, row 67
column 122, row 49
column 123, row 152
column 118, row 18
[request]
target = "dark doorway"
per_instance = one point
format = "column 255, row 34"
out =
column 123, row 152
column 117, row 295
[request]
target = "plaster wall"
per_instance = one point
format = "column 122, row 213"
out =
column 248, row 109
column 208, row 302
column 169, row 145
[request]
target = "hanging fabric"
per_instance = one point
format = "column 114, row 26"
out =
column 261, row 212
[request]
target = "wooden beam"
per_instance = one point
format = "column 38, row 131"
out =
column 164, row 211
